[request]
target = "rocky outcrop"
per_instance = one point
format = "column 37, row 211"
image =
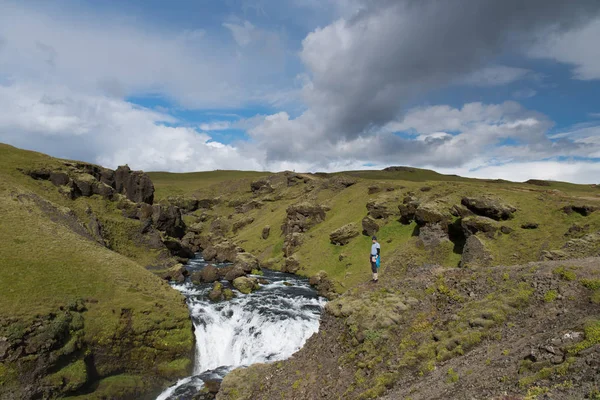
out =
column 301, row 217
column 530, row 225
column 343, row 235
column 433, row 234
column 186, row 204
column 221, row 252
column 433, row 213
column 249, row 206
column 488, row 207
column 216, row 293
column 377, row 210
column 586, row 246
column 323, row 285
column 246, row 284
column 369, row 227
column 168, row 219
column 176, row 273
column 339, row 182
column 473, row 225
column 408, row 209
column 584, row 210
column 261, row 186
column 291, row 265
column 475, row 254
column 292, row 243
column 79, row 179
column 247, row 262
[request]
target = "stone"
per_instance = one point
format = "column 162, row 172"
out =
column 475, row 254
column 339, row 182
column 176, row 273
column 231, row 273
column 177, row 248
column 208, row 274
column 583, row 210
column 249, row 206
column 369, row 227
column 377, row 210
column 212, row 385
column 432, row 213
column 488, row 207
column 292, row 242
column 302, row 216
column 135, row 185
column 266, row 232
column 246, row 284
column 102, row 189
column 407, row 209
column 95, row 228
column 209, row 253
column 59, row 178
column 432, row 235
column 217, row 291
column 506, row 230
column 530, row 225
column 168, row 219
column 373, row 189
column 195, row 228
column 291, row 266
column 261, row 186
column 475, row 224
column 83, row 183
column 247, row 262
column 323, row 284
column 185, row 204
column 343, row 235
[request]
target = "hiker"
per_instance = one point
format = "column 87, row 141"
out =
column 374, row 257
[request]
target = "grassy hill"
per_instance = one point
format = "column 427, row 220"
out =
column 89, row 319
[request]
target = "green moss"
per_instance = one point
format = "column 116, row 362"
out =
column 592, row 284
column 175, row 368
column 565, row 273
column 595, row 297
column 257, row 272
column 117, row 387
column 592, row 337
column 550, row 296
column 70, row 378
column 452, row 376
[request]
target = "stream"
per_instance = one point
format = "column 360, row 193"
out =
column 268, row 325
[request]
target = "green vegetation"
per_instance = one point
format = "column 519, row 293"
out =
column 592, row 284
column 550, row 296
column 565, row 273
column 592, row 337
column 452, row 376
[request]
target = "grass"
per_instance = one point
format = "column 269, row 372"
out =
column 45, row 265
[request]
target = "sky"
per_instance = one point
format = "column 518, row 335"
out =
column 480, row 88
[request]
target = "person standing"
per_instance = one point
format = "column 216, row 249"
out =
column 374, row 258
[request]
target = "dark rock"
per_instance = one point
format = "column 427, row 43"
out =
column 377, row 210
column 176, row 273
column 95, row 227
column 399, row 169
column 59, row 178
column 472, row 225
column 339, row 182
column 220, row 226
column 266, row 232
column 249, row 206
column 432, row 235
column 103, row 190
column 178, row 249
column 209, row 253
column 230, row 273
column 583, row 210
column 185, row 204
column 425, row 189
column 530, row 225
column 432, row 213
column 461, row 211
column 577, row 230
column 293, row 179
column 488, row 207
column 323, row 284
column 475, row 254
column 407, row 209
column 84, row 185
column 537, row 182
column 246, row 284
column 261, row 186
column 226, row 252
column 135, row 185
column 301, row 217
column 373, row 189
column 168, row 219
column 291, row 243
column 212, row 385
column 506, row 230
column 369, row 227
column 343, row 235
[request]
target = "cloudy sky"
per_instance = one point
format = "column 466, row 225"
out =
column 484, row 88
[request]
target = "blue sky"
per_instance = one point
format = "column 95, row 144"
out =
column 508, row 90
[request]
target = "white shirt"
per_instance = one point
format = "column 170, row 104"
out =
column 374, row 248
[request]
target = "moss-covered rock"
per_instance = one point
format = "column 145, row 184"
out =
column 246, row 284
column 343, row 235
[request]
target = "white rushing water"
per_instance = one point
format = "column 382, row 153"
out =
column 265, row 326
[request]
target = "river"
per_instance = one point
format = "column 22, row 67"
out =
column 265, row 326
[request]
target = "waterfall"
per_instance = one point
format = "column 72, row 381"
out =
column 265, row 326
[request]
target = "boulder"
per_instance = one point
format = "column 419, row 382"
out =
column 266, row 232
column 343, row 235
column 339, row 182
column 217, row 292
column 208, row 274
column 472, row 225
column 489, row 207
column 433, row 213
column 228, row 294
column 247, row 262
column 377, row 210
column 249, row 206
column 231, row 273
column 226, row 252
column 369, row 227
column 475, row 254
column 176, row 273
column 84, row 184
column 102, row 189
column 506, row 229
column 168, row 219
column 196, row 228
column 530, row 225
column 408, row 209
column 291, row 265
column 178, row 249
column 432, row 235
column 95, row 227
column 291, row 243
column 293, row 179
column 220, row 226
column 242, row 223
column 246, row 284
column 373, row 189
column 59, row 178
column 136, row 185
column 207, row 204
column 209, row 253
column 323, row 284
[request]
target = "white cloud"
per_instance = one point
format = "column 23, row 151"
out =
column 105, row 53
column 578, row 47
column 108, row 131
